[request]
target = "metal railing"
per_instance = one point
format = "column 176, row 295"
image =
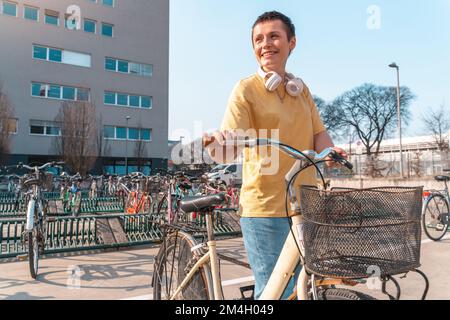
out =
column 68, row 233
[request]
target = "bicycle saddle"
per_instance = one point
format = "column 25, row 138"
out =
column 442, row 178
column 201, row 203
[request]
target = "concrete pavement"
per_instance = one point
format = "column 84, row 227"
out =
column 127, row 275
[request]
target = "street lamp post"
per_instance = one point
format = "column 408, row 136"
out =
column 399, row 118
column 126, row 146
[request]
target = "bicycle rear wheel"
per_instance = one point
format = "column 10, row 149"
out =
column 342, row 294
column 434, row 212
column 172, row 264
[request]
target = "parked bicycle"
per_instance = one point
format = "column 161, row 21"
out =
column 70, row 193
column 435, row 213
column 36, row 215
column 336, row 236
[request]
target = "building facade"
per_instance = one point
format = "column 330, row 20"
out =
column 111, row 53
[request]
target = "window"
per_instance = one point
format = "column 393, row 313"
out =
column 76, row 59
column 30, row 13
column 147, row 70
column 90, row 26
column 123, row 66
column 109, row 3
column 52, row 131
column 135, row 68
column 54, row 92
column 109, row 132
column 62, row 56
column 110, row 64
column 39, row 52
column 82, row 94
column 44, row 128
column 135, row 101
column 122, row 99
column 11, row 125
column 107, row 29
column 68, row 93
column 146, row 134
column 55, row 55
column 52, row 17
column 39, row 90
column 121, row 133
column 146, row 102
column 127, row 100
column 133, row 134
column 10, row 8
column 36, row 129
column 110, row 98
column 59, row 92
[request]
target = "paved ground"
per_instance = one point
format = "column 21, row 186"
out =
column 127, row 275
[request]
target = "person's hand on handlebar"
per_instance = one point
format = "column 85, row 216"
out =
column 340, row 153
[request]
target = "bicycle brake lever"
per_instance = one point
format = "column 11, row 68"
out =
column 339, row 159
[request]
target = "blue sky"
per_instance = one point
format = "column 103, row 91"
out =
column 210, row 50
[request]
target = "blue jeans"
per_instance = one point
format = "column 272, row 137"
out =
column 264, row 239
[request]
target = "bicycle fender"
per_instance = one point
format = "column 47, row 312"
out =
column 30, row 215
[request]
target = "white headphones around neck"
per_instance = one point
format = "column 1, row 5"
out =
column 272, row 80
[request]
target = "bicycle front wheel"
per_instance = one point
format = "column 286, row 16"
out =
column 172, row 264
column 33, row 253
column 433, row 217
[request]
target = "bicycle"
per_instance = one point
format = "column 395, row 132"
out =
column 71, row 195
column 185, row 269
column 36, row 214
column 138, row 200
column 177, row 186
column 435, row 212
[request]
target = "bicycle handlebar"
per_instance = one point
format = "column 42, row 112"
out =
column 52, row 164
column 292, row 152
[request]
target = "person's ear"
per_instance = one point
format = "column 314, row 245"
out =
column 292, row 44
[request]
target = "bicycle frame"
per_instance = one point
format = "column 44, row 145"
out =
column 210, row 258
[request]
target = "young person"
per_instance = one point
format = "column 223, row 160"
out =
column 270, row 101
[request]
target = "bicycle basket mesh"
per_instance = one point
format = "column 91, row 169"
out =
column 351, row 233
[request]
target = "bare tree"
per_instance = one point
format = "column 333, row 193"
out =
column 416, row 164
column 103, row 147
column 6, row 118
column 140, row 152
column 437, row 122
column 329, row 116
column 77, row 143
column 371, row 111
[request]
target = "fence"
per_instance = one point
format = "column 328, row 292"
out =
column 415, row 164
column 65, row 234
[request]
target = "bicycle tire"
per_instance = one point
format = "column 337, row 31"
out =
column 177, row 248
column 426, row 226
column 33, row 253
column 342, row 294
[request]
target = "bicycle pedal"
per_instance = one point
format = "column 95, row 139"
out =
column 440, row 227
column 22, row 257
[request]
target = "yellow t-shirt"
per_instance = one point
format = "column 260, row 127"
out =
column 252, row 106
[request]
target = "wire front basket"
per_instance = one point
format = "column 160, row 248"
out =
column 359, row 233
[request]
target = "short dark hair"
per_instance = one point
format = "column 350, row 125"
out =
column 275, row 15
